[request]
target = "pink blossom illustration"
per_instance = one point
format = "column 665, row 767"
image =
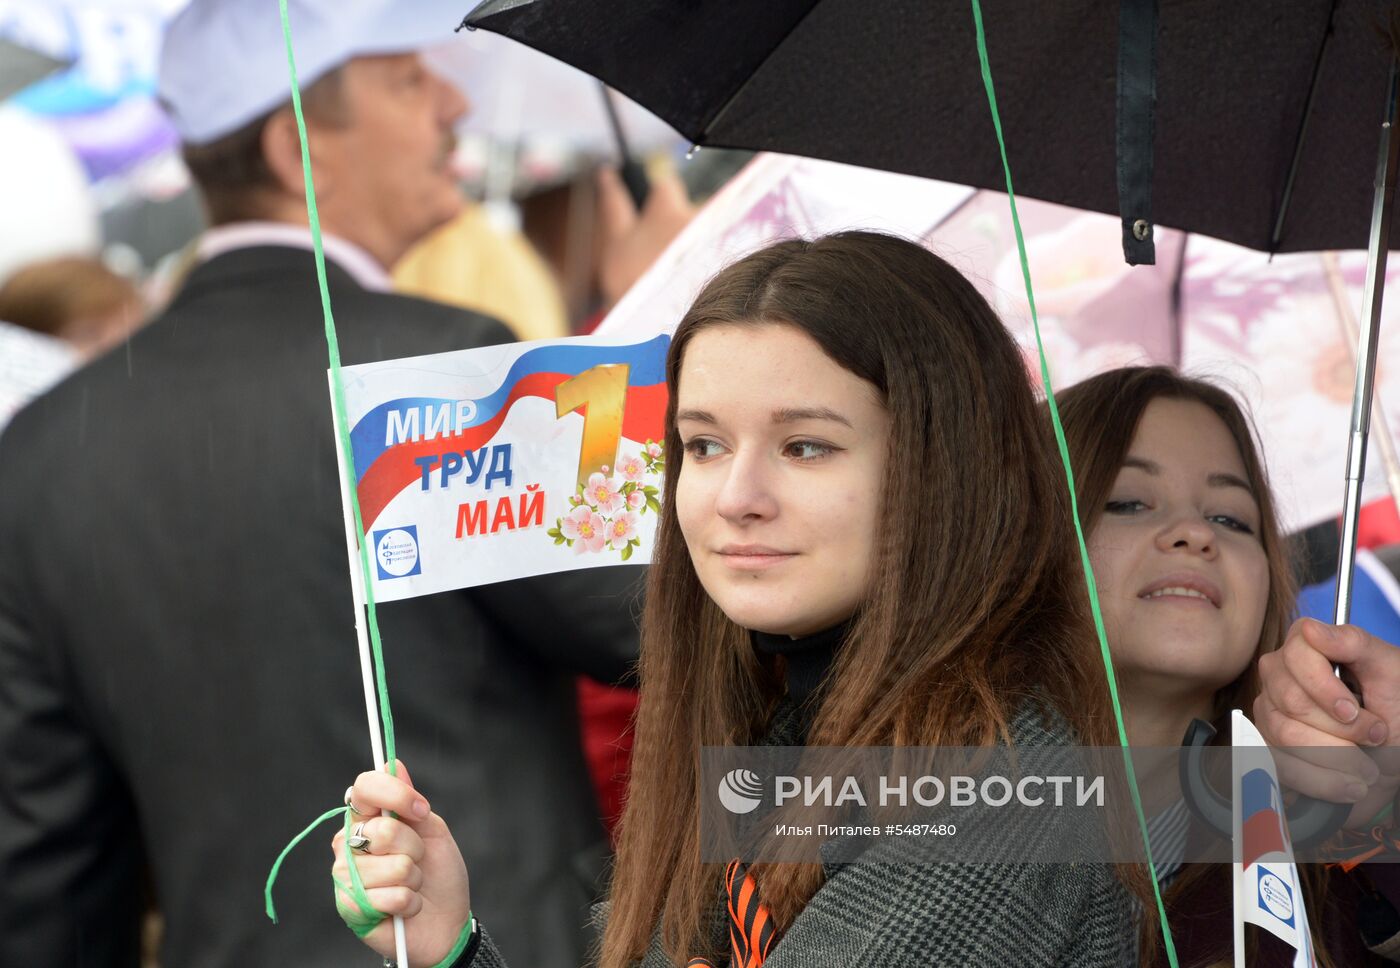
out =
column 604, row 512
column 585, row 529
column 622, row 529
column 1334, row 372
column 569, row 524
column 602, row 493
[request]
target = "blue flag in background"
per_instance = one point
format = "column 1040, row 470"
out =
column 1375, row 600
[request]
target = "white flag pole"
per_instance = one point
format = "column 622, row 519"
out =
column 1239, row 913
column 357, row 591
column 1237, row 866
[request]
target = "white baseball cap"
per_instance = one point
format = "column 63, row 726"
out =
column 223, row 63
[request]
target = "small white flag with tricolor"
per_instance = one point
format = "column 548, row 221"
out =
column 1267, row 889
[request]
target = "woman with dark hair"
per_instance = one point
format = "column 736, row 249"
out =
column 1195, row 584
column 866, row 543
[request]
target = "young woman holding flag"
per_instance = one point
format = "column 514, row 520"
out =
column 866, row 542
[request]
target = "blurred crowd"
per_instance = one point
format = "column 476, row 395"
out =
column 521, row 229
column 177, row 684
column 103, row 218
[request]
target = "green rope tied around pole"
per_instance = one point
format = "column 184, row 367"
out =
column 1069, row 480
column 363, row 918
column 352, row 900
column 353, row 903
column 338, row 395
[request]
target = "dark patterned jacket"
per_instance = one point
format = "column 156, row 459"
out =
column 887, row 914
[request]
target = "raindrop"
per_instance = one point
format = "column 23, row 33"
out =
column 83, row 416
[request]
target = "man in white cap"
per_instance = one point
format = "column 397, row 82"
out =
column 380, row 124
column 176, row 628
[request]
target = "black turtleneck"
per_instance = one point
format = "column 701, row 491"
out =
column 807, row 658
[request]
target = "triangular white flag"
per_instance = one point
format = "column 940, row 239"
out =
column 1267, row 889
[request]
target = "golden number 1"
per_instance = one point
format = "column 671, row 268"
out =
column 602, row 392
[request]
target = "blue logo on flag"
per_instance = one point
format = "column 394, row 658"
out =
column 1275, row 896
column 396, row 552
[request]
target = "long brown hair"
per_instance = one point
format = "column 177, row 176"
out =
column 1100, row 418
column 975, row 605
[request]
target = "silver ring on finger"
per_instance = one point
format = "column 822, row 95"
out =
column 351, row 803
column 357, row 841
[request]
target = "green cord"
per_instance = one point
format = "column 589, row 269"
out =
column 1069, row 479
column 277, row 864
column 463, row 939
column 368, row 917
column 338, row 396
column 363, row 917
column 362, row 921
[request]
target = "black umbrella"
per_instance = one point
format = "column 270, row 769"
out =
column 1255, row 121
column 895, row 85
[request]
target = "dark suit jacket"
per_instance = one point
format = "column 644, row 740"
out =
column 179, row 685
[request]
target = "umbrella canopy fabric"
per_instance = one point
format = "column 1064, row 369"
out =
column 896, row 86
column 1270, row 330
column 520, row 95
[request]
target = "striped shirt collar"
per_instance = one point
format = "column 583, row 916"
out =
column 1166, row 834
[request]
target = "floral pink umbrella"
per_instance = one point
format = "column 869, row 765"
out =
column 1275, row 331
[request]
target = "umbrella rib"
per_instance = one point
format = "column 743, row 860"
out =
column 729, row 102
column 615, row 123
column 927, row 237
column 1302, row 131
column 1178, row 327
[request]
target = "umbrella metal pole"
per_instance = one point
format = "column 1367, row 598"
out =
column 1346, row 319
column 1379, row 249
column 1312, row 821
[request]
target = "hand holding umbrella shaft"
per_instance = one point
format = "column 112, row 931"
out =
column 1339, row 751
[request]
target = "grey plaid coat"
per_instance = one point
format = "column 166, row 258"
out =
column 951, row 915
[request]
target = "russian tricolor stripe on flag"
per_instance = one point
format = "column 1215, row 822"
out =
column 1262, row 817
column 1266, row 884
column 383, row 470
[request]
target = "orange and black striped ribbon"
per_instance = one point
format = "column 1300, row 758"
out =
column 751, row 931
